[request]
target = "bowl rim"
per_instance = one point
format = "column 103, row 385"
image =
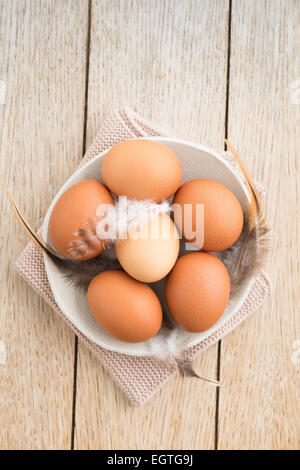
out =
column 194, row 339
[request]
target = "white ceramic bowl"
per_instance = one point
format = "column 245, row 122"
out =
column 197, row 162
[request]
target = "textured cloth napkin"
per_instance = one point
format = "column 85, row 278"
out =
column 139, row 377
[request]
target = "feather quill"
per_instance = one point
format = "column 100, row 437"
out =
column 246, row 257
column 77, row 273
column 168, row 344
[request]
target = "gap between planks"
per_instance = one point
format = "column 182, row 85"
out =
column 86, row 95
column 218, row 368
column 218, row 390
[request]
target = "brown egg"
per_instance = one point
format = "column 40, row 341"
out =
column 76, row 209
column 197, row 291
column 125, row 308
column 149, row 254
column 223, row 215
column 142, row 169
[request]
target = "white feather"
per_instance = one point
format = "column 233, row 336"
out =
column 169, row 343
column 116, row 220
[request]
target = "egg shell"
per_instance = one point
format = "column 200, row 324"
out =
column 223, row 215
column 149, row 254
column 126, row 309
column 197, row 291
column 142, row 169
column 76, row 207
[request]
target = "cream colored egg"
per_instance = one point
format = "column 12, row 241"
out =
column 148, row 254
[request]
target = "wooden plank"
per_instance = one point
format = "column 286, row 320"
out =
column 259, row 398
column 43, row 59
column 168, row 61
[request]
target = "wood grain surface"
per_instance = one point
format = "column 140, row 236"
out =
column 145, row 55
column 257, row 359
column 43, row 48
column 202, row 69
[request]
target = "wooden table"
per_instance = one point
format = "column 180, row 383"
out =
column 204, row 69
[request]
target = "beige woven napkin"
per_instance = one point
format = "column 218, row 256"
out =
column 139, row 377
